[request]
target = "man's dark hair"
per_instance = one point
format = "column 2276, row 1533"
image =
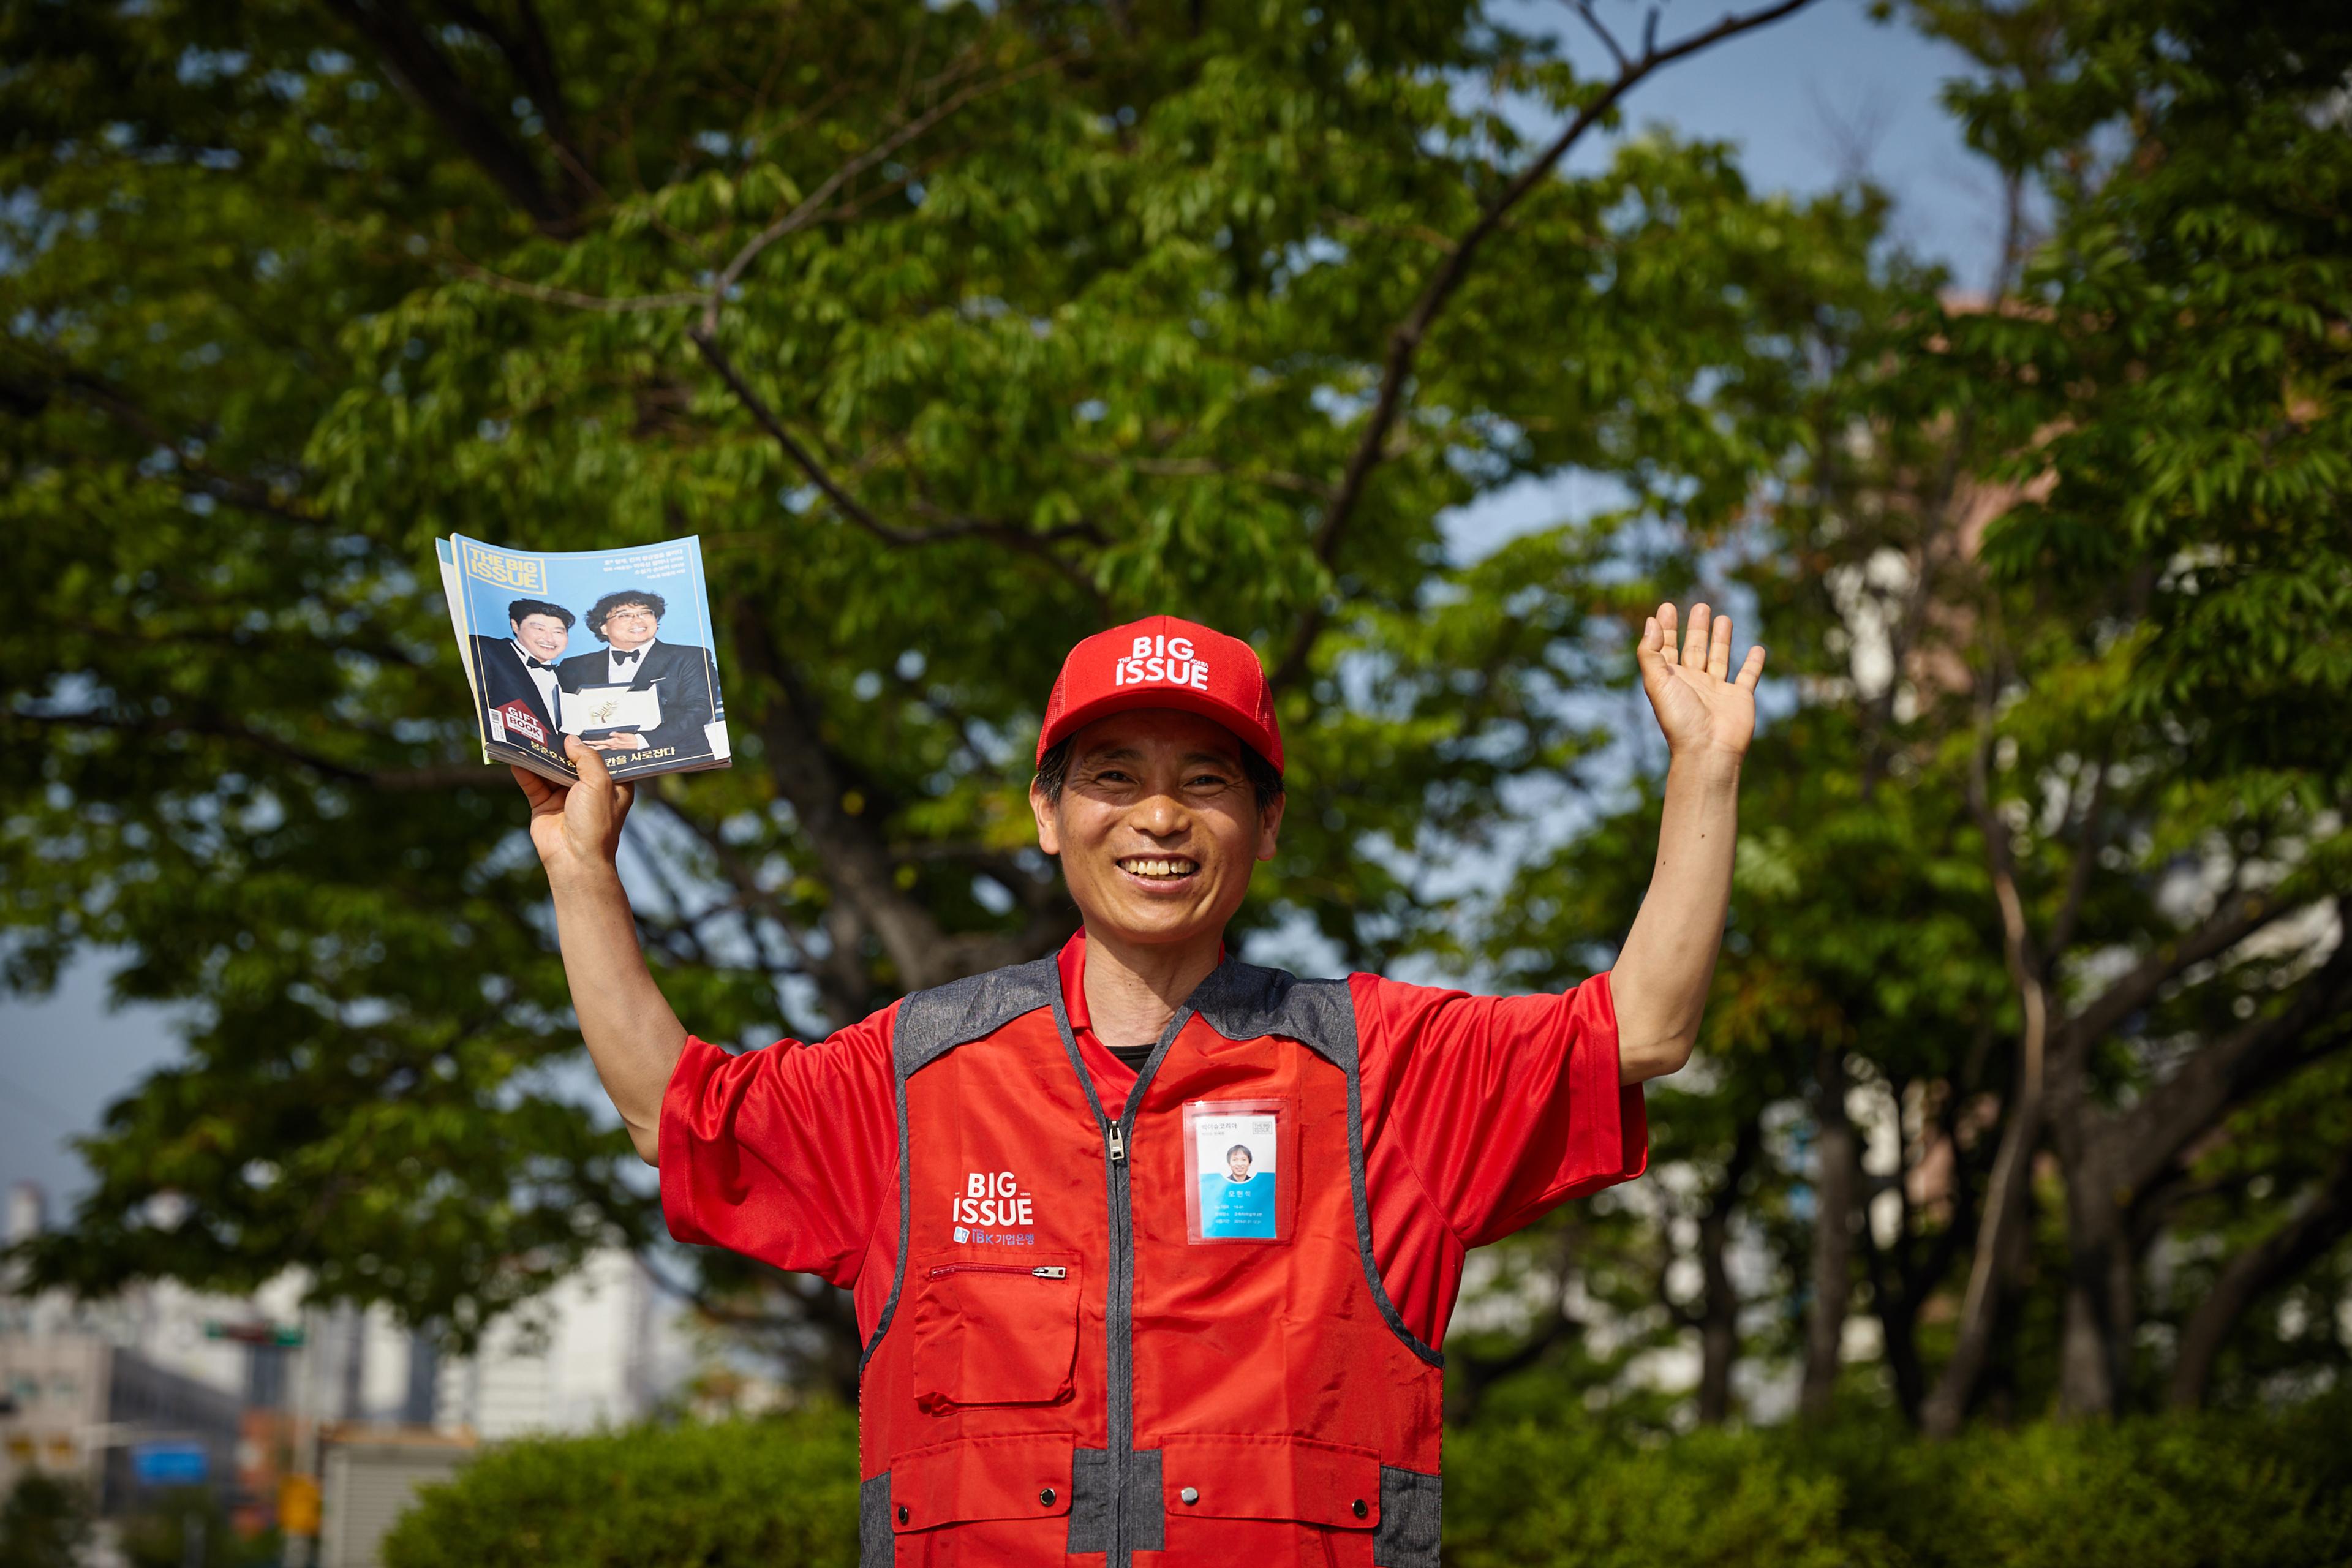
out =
column 1242, row 1149
column 611, row 602
column 1054, row 772
column 522, row 610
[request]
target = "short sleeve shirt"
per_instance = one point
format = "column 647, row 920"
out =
column 1481, row 1113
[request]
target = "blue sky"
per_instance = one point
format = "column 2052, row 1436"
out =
column 1812, row 101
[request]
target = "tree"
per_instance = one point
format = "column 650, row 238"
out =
column 2171, row 376
column 2049, row 858
column 954, row 332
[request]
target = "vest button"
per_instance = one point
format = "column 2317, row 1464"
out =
column 1360, row 1509
column 1046, row 1497
column 1190, row 1494
column 902, row 1513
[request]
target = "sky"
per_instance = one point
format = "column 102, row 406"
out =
column 1812, row 101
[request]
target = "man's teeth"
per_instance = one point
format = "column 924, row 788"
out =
column 1174, row 868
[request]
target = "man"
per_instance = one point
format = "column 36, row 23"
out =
column 682, row 676
column 1057, row 1362
column 521, row 667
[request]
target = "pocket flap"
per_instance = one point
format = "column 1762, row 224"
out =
column 1236, row 1476
column 991, row 1332
column 981, row 1477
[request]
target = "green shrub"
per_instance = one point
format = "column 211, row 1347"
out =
column 2217, row 1491
column 1530, row 1495
column 43, row 1523
column 757, row 1494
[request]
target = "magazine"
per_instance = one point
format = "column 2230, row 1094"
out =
column 612, row 646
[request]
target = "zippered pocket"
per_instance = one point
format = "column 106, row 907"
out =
column 989, row 1333
column 941, row 1270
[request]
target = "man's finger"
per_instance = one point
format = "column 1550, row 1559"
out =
column 589, row 760
column 535, row 790
column 1752, row 669
column 1695, row 640
column 1718, row 651
column 1654, row 639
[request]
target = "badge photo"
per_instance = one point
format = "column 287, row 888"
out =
column 1234, row 1169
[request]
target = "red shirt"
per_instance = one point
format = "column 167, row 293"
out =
column 1481, row 1114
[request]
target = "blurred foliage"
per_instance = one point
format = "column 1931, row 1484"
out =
column 1080, row 312
column 44, row 1522
column 187, row 1527
column 956, row 332
column 2207, row 1492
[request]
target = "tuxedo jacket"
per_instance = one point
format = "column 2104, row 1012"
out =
column 684, row 676
column 505, row 680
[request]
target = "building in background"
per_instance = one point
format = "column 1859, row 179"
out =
column 605, row 1347
column 116, row 1396
column 110, row 1391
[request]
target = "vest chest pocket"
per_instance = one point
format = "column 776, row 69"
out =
column 995, row 1333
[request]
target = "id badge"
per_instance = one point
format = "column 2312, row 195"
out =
column 1234, row 1169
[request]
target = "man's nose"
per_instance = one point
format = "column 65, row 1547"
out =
column 1161, row 815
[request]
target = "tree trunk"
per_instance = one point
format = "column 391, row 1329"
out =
column 2321, row 1223
column 1833, row 1260
column 1718, row 1323
column 2091, row 1353
column 1999, row 1238
column 2012, row 1168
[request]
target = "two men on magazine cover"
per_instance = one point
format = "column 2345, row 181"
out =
column 528, row 666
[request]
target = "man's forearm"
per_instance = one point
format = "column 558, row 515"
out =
column 1661, row 979
column 632, row 1035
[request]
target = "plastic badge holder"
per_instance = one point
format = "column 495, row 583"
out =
column 1232, row 1170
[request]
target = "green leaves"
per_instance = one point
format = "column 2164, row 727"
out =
column 1078, row 317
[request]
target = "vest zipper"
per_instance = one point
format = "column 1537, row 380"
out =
column 1119, row 1295
column 937, row 1269
column 1118, row 1329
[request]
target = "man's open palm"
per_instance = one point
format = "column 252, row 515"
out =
column 1700, row 705
column 578, row 828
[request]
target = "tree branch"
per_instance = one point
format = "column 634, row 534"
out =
column 451, row 775
column 2007, row 1189
column 2238, row 917
column 1406, row 338
column 2317, row 1223
column 813, row 205
column 1036, row 543
column 424, row 76
column 2169, row 1117
column 848, row 847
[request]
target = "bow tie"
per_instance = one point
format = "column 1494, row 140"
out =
column 537, row 663
column 628, row 657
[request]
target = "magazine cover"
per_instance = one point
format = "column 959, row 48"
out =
column 612, row 646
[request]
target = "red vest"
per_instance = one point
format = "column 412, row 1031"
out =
column 1072, row 1360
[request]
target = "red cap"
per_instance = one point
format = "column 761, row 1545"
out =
column 1163, row 662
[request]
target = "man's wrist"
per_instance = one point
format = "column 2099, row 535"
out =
column 1707, row 765
column 598, row 878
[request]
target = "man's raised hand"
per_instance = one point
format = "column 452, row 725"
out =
column 577, row 830
column 1702, row 707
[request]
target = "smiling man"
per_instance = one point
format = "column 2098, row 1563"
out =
column 516, row 676
column 1084, row 1339
column 681, row 676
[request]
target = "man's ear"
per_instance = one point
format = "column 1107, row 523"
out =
column 1049, row 827
column 1269, row 826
